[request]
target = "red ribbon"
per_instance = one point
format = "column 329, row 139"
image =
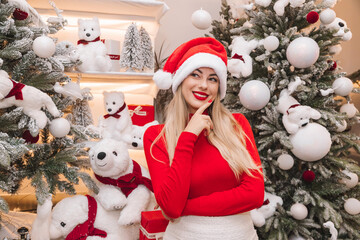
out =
column 116, row 115
column 16, row 90
column 114, row 57
column 240, row 57
column 128, row 182
column 85, row 229
column 84, row 42
column 292, row 106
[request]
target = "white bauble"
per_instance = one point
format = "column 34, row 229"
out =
column 302, row 52
column 342, row 86
column 341, row 126
column 335, row 49
column 349, row 109
column 285, row 161
column 201, row 19
column 352, row 206
column 327, row 16
column 271, row 43
column 294, row 237
column 44, row 47
column 311, row 143
column 353, row 181
column 59, row 127
column 298, row 211
column 254, row 95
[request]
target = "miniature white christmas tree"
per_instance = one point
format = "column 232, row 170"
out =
column 131, row 55
column 146, row 49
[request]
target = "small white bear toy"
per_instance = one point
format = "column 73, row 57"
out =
column 29, row 98
column 241, row 63
column 340, row 28
column 117, row 122
column 78, row 217
column 91, row 51
column 259, row 215
column 295, row 115
column 123, row 183
column 137, row 134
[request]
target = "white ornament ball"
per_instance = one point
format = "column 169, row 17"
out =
column 254, row 95
column 341, row 126
column 311, row 143
column 352, row 206
column 349, row 109
column 201, row 19
column 285, row 161
column 44, row 47
column 353, row 181
column 271, row 43
column 327, row 16
column 59, row 127
column 302, row 52
column 298, row 211
column 342, row 86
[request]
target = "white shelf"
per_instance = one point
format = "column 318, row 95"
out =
column 113, row 77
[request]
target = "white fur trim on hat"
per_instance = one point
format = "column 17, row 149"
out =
column 202, row 60
column 163, row 80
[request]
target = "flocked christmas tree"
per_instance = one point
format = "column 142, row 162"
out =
column 146, row 49
column 36, row 141
column 131, row 56
column 284, row 78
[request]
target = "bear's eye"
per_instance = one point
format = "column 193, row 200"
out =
column 92, row 29
column 114, row 153
column 63, row 224
column 84, row 29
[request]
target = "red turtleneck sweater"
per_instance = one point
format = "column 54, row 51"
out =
column 200, row 181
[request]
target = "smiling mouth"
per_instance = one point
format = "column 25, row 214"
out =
column 200, row 96
column 101, row 165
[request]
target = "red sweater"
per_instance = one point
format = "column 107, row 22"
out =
column 200, row 181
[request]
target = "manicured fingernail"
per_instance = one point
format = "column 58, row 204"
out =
column 210, row 100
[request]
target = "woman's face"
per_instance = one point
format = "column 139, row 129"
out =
column 199, row 87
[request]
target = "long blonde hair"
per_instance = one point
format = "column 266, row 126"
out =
column 227, row 135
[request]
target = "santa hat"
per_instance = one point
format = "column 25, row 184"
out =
column 194, row 54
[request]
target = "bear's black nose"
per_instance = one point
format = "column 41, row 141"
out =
column 341, row 24
column 109, row 109
column 134, row 144
column 88, row 34
column 101, row 155
column 304, row 124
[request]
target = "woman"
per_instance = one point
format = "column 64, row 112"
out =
column 203, row 162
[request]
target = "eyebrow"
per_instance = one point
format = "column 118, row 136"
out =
column 213, row 74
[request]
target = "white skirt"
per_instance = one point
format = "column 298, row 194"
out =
column 233, row 227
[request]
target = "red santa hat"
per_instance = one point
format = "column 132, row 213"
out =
column 196, row 53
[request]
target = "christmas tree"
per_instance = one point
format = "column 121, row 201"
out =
column 36, row 143
column 284, row 78
column 146, row 49
column 131, row 54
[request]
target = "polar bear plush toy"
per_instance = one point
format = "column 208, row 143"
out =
column 117, row 122
column 240, row 63
column 259, row 215
column 79, row 217
column 91, row 51
column 137, row 134
column 123, row 183
column 295, row 115
column 29, row 98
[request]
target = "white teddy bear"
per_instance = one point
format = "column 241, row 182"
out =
column 123, row 183
column 279, row 6
column 341, row 29
column 259, row 215
column 295, row 115
column 91, row 51
column 117, row 122
column 137, row 134
column 79, row 217
column 29, row 98
column 241, row 62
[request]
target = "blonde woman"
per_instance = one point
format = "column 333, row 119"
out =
column 204, row 165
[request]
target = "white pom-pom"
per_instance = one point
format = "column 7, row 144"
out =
column 264, row 3
column 163, row 80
